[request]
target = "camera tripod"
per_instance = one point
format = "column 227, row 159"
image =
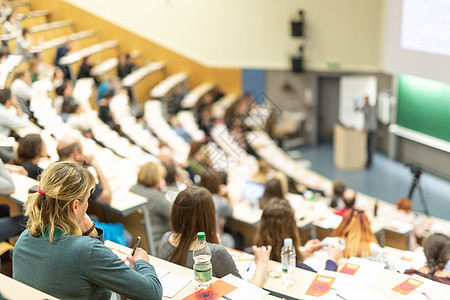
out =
column 416, row 185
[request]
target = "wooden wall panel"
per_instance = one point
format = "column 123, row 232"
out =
column 227, row 78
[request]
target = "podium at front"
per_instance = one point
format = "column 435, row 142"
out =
column 350, row 148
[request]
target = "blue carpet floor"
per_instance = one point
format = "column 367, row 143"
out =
column 386, row 179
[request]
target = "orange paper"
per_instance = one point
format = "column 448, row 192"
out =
column 407, row 286
column 349, row 269
column 406, row 258
column 321, row 285
column 216, row 290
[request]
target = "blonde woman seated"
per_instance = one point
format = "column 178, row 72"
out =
column 193, row 211
column 62, row 252
column 278, row 223
column 359, row 238
column 150, row 181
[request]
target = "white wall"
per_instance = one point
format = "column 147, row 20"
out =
column 253, row 33
column 397, row 60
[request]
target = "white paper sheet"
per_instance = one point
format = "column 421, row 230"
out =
column 244, row 291
column 173, row 284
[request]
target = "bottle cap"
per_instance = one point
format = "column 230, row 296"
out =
column 201, row 236
column 288, row 242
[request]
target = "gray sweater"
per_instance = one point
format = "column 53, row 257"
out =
column 221, row 260
column 80, row 267
column 6, row 182
column 159, row 207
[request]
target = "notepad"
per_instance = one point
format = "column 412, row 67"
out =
column 173, row 284
column 320, row 286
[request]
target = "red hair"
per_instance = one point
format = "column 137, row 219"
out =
column 404, row 204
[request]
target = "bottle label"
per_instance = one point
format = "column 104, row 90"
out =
column 203, row 273
column 285, row 265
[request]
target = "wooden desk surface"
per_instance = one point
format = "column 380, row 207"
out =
column 13, row 289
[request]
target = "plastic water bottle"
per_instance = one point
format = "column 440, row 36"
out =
column 202, row 262
column 288, row 262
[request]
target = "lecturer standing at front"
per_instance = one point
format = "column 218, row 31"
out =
column 370, row 127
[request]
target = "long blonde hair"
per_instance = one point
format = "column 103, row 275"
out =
column 355, row 230
column 62, row 183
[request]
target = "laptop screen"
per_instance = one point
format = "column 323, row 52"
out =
column 252, row 190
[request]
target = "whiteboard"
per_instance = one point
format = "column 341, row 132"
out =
column 352, row 90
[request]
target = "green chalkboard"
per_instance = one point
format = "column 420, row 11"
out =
column 424, row 105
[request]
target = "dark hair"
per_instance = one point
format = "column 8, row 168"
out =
column 273, row 190
column 210, row 180
column 5, row 95
column 171, row 173
column 193, row 211
column 30, row 147
column 25, row 31
column 436, row 249
column 60, row 89
column 68, row 150
column 339, row 188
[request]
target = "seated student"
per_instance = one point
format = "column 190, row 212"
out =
column 31, row 149
column 23, row 44
column 70, row 149
column 131, row 65
column 273, row 190
column 349, row 198
column 150, row 181
column 339, row 188
column 21, row 87
column 62, row 51
column 85, row 68
column 107, row 86
column 65, row 104
column 9, row 226
column 62, row 253
column 5, row 9
column 212, row 181
column 437, row 252
column 193, row 211
column 176, row 126
column 105, row 113
column 198, row 158
column 171, row 178
column 9, row 120
column 122, row 68
column 359, row 238
column 11, row 25
column 404, row 214
column 278, row 223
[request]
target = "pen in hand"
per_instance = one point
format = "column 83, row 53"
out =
column 136, row 244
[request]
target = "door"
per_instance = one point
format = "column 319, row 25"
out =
column 328, row 112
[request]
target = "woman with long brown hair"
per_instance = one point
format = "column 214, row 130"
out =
column 278, row 223
column 62, row 252
column 355, row 230
column 193, row 211
column 437, row 252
